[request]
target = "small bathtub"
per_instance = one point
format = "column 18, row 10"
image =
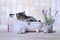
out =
column 32, row 26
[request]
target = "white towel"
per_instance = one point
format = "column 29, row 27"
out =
column 19, row 27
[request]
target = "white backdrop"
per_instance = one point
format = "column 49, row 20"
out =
column 32, row 7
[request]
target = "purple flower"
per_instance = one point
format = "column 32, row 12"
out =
column 56, row 12
column 44, row 11
column 49, row 9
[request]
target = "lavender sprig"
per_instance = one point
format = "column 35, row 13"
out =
column 44, row 12
column 56, row 12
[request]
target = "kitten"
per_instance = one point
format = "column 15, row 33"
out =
column 27, row 19
column 22, row 16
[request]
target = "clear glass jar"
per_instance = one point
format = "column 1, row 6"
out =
column 10, row 22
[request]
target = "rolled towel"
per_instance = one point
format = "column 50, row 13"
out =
column 19, row 27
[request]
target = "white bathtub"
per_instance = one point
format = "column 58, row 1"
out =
column 33, row 26
column 28, row 26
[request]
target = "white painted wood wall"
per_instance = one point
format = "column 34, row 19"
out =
column 32, row 7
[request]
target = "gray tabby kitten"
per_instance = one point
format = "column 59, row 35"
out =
column 22, row 16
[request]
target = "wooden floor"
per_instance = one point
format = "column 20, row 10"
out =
column 30, row 36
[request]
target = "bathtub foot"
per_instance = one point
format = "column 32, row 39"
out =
column 37, row 31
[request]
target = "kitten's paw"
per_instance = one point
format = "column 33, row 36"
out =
column 37, row 31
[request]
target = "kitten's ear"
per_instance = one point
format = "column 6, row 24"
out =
column 24, row 12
